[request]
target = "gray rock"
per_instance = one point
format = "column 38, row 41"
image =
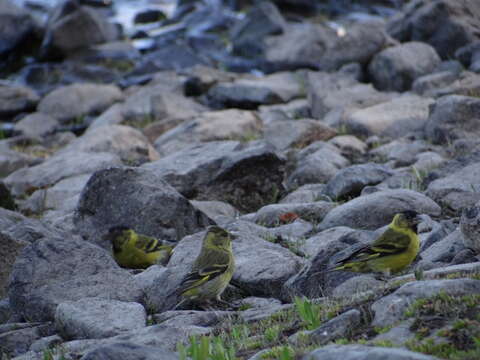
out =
column 17, row 26
column 126, row 142
column 129, row 351
column 180, row 318
column 390, row 118
column 445, row 250
column 428, row 85
column 459, row 189
column 44, row 343
column 377, row 209
column 218, row 211
column 11, row 160
column 470, row 228
column 95, row 318
column 261, row 308
column 338, row 327
column 10, row 248
column 271, row 215
column 317, row 163
column 305, row 194
column 323, row 239
column 349, row 145
column 357, row 284
column 364, row 352
column 17, row 341
column 350, row 181
column 14, row 98
column 402, row 152
column 446, row 24
column 247, row 176
column 397, row 67
column 249, row 93
column 397, row 335
column 71, row 102
column 391, row 308
column 5, row 310
column 56, row 168
column 51, row 271
column 72, row 27
column 137, row 198
column 37, row 125
column 453, row 117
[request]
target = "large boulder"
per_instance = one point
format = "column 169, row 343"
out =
column 447, row 25
column 247, row 176
column 54, row 270
column 396, row 68
column 138, row 198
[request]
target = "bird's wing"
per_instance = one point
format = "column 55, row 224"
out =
column 148, row 244
column 201, row 274
column 389, row 243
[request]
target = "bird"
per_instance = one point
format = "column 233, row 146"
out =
column 136, row 251
column 391, row 252
column 211, row 271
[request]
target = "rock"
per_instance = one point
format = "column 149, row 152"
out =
column 249, row 93
column 119, row 196
column 129, row 351
column 305, row 194
column 247, row 176
column 356, row 285
column 17, row 341
column 219, row 211
column 148, row 16
column 324, row 47
column 44, row 343
column 396, row 68
column 191, row 318
column 72, row 27
column 11, row 160
column 94, row 318
column 10, row 248
column 428, row 85
column 56, row 168
column 229, row 124
column 402, row 152
column 271, row 215
column 262, row 308
column 444, row 250
column 299, row 133
column 340, row 91
column 17, row 26
column 5, row 310
column 350, row 181
column 295, row 109
column 322, row 240
column 446, row 24
column 51, row 271
column 458, row 190
column 349, row 145
column 71, row 102
column 37, row 125
column 336, row 328
column 470, row 228
column 317, row 163
column 377, row 209
column 126, row 142
column 397, row 335
column 391, row 118
column 364, row 352
column 453, row 117
column 15, row 99
column 261, row 20
column 391, row 308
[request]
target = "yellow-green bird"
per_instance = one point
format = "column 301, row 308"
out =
column 391, row 252
column 212, row 270
column 136, row 251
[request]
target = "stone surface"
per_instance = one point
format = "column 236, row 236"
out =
column 391, row 308
column 18, row 340
column 129, row 351
column 453, row 117
column 191, row 318
column 51, row 271
column 364, row 352
column 271, row 215
column 336, row 328
column 470, row 228
column 94, row 318
column 17, row 26
column 10, row 248
column 36, row 125
column 305, row 194
column 15, row 98
column 137, row 198
column 71, row 102
column 395, row 118
column 377, row 209
column 247, row 176
column 350, row 181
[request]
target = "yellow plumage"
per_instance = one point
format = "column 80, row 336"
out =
column 391, row 252
column 212, row 270
column 135, row 251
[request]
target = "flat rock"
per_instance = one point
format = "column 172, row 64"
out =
column 137, row 198
column 129, row 351
column 271, row 215
column 305, row 194
column 396, row 68
column 71, row 102
column 180, row 318
column 51, row 271
column 36, row 125
column 15, row 99
column 377, row 209
column 391, row 308
column 336, row 328
column 96, row 318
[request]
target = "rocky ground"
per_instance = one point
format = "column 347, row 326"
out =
column 301, row 127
